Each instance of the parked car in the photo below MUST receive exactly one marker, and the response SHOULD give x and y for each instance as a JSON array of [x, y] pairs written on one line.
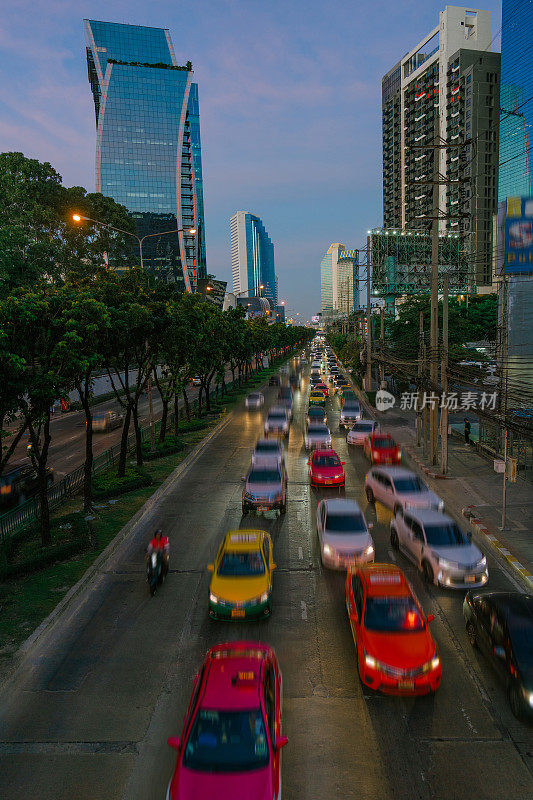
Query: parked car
[[435, 543], [399, 488], [255, 400], [360, 430], [500, 624], [107, 421], [343, 534]]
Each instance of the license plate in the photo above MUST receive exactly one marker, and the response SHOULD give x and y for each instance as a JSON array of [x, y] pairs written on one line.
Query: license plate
[[470, 578], [237, 612], [262, 508], [328, 480], [406, 684]]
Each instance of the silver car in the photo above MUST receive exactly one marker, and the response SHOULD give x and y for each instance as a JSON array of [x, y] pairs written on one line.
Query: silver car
[[317, 435], [343, 534], [254, 401], [361, 429], [350, 413], [268, 451], [399, 488], [265, 489], [439, 548], [277, 422]]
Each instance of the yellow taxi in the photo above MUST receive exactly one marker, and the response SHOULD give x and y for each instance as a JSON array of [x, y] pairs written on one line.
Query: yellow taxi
[[241, 585], [344, 387], [316, 398]]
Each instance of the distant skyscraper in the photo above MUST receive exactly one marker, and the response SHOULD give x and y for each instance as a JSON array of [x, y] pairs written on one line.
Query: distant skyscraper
[[339, 281], [148, 155], [450, 78], [252, 257]]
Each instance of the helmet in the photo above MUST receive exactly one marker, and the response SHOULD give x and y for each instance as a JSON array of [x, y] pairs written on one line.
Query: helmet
[[158, 532]]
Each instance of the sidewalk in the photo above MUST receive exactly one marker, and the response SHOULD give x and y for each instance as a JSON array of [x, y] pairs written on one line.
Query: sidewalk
[[471, 487]]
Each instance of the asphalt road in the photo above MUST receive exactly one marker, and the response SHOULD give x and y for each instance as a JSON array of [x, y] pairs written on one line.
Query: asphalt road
[[89, 714]]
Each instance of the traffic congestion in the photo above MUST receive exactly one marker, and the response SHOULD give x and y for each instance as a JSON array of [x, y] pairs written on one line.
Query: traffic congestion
[[232, 737]]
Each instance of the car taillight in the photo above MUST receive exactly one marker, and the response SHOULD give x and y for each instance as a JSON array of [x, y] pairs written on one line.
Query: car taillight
[[375, 453]]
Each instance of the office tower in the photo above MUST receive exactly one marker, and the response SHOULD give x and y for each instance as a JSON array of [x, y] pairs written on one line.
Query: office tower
[[447, 84], [148, 154], [252, 257], [338, 281]]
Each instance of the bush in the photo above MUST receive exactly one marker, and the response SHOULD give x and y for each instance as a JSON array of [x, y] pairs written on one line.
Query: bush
[[108, 484], [171, 445], [193, 425]]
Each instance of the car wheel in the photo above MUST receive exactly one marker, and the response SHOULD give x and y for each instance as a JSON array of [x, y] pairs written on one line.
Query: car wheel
[[283, 509], [369, 494], [515, 701], [471, 633], [395, 543], [427, 572]]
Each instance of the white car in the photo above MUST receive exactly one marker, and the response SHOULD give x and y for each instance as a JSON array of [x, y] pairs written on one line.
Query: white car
[[361, 429], [399, 488], [317, 435], [440, 549], [268, 451], [277, 421], [343, 534], [350, 413], [254, 401]]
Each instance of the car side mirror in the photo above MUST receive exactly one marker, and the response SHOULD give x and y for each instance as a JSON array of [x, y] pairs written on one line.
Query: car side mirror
[[430, 617], [210, 567], [499, 651], [343, 462], [174, 742], [281, 741]]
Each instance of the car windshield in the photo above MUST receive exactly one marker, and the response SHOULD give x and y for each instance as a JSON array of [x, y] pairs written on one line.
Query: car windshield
[[326, 461], [350, 407], [409, 485], [317, 429], [270, 446], [448, 534], [383, 444], [253, 397], [393, 615], [345, 523], [316, 412], [227, 741], [264, 476], [241, 564], [276, 415], [363, 427]]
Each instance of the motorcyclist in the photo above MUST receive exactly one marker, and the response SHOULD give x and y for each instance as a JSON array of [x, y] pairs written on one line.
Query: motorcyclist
[[160, 543]]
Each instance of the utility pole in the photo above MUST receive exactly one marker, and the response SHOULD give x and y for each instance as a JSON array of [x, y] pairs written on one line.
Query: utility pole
[[421, 420], [504, 497], [444, 379], [382, 347], [368, 379], [434, 318]]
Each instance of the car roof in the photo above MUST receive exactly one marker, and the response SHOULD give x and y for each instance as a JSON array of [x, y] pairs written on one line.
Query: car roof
[[234, 678], [277, 410], [274, 443], [384, 580], [341, 506], [393, 472], [243, 539], [511, 603], [428, 516], [326, 451]]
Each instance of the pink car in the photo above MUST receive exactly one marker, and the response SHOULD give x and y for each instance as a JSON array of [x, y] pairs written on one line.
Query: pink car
[[231, 739]]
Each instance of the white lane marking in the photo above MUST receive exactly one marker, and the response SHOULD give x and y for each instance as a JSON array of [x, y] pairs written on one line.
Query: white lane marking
[[300, 553], [303, 606], [392, 555], [505, 551], [468, 722]]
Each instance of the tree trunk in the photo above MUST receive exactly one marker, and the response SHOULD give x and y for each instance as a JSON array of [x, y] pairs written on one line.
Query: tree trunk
[[88, 466], [207, 398], [138, 440], [46, 537], [124, 443], [176, 413], [164, 418], [199, 409], [187, 407]]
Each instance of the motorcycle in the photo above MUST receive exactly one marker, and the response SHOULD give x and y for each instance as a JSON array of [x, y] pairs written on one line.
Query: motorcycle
[[154, 571]]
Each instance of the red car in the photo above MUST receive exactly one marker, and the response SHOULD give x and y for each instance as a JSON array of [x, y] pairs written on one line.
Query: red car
[[326, 468], [323, 388], [395, 651], [380, 448], [231, 741]]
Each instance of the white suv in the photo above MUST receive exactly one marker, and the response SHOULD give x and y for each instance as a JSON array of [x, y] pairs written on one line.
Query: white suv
[[399, 488], [439, 548]]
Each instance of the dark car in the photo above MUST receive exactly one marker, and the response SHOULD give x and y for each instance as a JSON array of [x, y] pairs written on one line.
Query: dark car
[[501, 625], [274, 380], [19, 482]]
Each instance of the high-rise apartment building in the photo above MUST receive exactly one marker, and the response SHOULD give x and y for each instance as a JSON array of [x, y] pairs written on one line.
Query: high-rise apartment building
[[148, 153], [252, 257], [448, 85], [339, 286]]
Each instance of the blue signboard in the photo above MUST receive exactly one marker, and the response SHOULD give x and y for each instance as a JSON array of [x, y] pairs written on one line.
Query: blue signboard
[[518, 235]]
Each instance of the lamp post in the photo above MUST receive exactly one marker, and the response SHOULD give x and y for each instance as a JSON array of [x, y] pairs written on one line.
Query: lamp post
[[140, 241]]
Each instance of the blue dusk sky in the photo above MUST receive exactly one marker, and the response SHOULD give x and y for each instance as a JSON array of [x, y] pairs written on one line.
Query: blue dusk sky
[[290, 109]]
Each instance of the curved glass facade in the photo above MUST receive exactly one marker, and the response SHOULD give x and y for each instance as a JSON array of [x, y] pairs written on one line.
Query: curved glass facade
[[252, 257], [148, 151]]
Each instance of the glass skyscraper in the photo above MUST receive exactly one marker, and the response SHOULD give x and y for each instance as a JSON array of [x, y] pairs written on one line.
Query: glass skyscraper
[[148, 153], [252, 257], [516, 104]]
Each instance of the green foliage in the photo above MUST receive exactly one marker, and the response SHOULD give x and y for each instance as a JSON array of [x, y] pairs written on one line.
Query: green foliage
[[109, 484]]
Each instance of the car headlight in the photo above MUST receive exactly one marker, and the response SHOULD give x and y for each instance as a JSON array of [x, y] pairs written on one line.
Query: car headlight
[[441, 505], [433, 664], [369, 550], [328, 551], [398, 454], [213, 598], [375, 454], [528, 697], [370, 661], [443, 562], [482, 564], [264, 597]]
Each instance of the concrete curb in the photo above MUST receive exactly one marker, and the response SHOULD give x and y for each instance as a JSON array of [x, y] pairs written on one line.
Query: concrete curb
[[481, 529], [414, 456]]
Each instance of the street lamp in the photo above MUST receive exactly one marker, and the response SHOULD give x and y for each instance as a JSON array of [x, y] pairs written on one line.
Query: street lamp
[[140, 239]]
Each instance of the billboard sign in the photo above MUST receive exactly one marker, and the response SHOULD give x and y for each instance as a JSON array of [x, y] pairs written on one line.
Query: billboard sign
[[518, 235]]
